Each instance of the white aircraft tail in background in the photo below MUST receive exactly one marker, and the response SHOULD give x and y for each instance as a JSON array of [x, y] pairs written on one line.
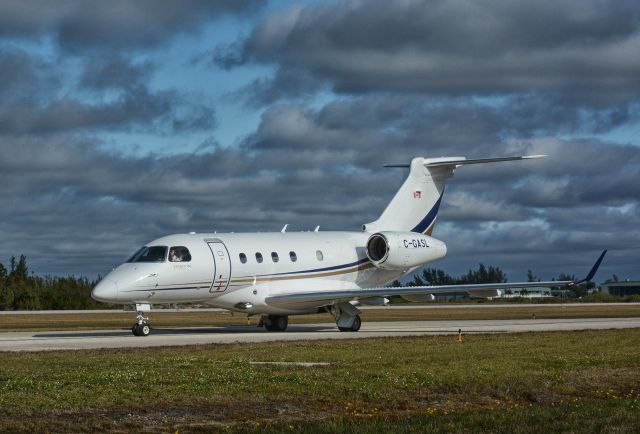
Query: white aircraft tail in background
[[293, 273]]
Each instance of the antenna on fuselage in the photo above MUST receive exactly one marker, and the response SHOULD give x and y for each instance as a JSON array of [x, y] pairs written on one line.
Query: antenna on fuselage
[[284, 229]]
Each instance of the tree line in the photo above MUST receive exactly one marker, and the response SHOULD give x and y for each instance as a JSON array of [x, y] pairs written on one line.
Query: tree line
[[22, 290]]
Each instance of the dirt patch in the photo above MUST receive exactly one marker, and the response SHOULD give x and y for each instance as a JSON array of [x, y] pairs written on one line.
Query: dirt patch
[[169, 417]]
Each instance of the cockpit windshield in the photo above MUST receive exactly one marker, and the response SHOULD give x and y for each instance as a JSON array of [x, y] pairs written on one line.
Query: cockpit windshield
[[150, 254]]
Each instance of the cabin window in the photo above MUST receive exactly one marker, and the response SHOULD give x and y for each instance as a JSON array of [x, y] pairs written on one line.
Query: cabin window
[[243, 258], [274, 257], [179, 254], [293, 256], [319, 255], [259, 257], [150, 254]]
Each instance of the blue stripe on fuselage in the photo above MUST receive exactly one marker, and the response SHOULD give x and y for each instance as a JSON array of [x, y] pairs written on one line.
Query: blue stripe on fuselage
[[335, 267]]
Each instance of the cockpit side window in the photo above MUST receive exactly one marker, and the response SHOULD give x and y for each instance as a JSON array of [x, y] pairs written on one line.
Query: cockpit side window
[[150, 254], [136, 254], [179, 254]]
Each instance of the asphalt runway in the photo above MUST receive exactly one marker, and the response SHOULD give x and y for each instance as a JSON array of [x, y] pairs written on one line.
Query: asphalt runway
[[91, 339]]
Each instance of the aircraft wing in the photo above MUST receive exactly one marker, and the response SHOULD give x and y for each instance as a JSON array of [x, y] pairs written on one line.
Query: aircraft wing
[[478, 290]]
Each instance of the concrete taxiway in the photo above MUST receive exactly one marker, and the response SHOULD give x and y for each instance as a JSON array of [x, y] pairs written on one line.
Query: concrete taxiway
[[91, 339]]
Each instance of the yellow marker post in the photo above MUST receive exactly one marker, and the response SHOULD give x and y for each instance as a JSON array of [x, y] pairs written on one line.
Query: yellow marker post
[[459, 335]]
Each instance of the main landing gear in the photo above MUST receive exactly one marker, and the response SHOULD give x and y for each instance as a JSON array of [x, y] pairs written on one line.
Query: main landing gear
[[347, 317], [355, 325], [141, 328], [274, 323]]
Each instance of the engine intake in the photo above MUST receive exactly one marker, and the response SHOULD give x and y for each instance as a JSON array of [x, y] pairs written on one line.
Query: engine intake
[[403, 250]]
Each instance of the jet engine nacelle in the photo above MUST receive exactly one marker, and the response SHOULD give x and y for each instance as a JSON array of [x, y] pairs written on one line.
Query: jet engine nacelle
[[403, 250]]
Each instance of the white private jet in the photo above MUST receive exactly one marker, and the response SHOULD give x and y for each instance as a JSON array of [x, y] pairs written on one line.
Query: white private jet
[[283, 273]]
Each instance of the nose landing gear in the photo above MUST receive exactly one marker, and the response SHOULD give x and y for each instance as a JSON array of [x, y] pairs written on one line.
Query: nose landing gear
[[141, 328]]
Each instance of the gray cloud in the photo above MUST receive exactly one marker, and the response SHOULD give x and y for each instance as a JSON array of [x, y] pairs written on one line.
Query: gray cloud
[[287, 83], [413, 79], [113, 25], [136, 108], [61, 191], [108, 73], [456, 47], [21, 75], [119, 99]]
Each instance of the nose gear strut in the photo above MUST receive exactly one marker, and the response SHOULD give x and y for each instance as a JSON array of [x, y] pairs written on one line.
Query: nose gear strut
[[141, 328]]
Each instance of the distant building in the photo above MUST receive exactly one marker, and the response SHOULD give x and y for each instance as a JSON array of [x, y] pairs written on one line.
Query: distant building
[[621, 289], [526, 292], [561, 293]]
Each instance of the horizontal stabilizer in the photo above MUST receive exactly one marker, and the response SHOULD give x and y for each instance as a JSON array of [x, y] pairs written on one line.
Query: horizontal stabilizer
[[460, 161], [464, 161]]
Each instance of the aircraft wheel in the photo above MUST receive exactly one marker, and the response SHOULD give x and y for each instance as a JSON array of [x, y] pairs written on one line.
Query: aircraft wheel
[[281, 323], [144, 330], [134, 329], [356, 324], [277, 323], [354, 327]]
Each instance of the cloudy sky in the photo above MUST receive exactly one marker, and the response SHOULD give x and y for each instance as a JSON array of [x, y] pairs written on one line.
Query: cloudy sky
[[121, 122]]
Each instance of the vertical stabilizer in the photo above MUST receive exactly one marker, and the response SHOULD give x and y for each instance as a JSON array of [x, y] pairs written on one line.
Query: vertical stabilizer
[[415, 206]]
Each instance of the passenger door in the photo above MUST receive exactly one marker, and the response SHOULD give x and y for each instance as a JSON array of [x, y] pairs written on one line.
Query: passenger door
[[222, 266]]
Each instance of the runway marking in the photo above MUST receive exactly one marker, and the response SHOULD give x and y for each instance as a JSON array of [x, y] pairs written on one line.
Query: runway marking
[[305, 364]]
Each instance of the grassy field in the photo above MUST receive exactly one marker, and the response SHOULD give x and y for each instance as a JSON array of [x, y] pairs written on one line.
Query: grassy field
[[551, 382], [62, 321]]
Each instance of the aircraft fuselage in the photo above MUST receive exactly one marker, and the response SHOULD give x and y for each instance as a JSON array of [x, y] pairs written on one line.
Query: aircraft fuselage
[[237, 271]]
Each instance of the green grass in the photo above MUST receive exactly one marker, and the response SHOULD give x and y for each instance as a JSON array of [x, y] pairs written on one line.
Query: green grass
[[619, 417], [576, 381]]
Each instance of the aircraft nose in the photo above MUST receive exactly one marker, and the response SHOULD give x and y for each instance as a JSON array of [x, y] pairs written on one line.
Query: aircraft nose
[[106, 291]]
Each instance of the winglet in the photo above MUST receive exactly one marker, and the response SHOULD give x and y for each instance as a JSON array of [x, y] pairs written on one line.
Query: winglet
[[593, 271]]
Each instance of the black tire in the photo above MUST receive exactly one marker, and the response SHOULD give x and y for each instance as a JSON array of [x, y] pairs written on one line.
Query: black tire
[[144, 330], [276, 323], [134, 329], [356, 324], [281, 323]]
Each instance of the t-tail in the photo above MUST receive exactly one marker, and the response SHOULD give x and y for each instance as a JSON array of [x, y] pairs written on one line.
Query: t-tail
[[415, 206]]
